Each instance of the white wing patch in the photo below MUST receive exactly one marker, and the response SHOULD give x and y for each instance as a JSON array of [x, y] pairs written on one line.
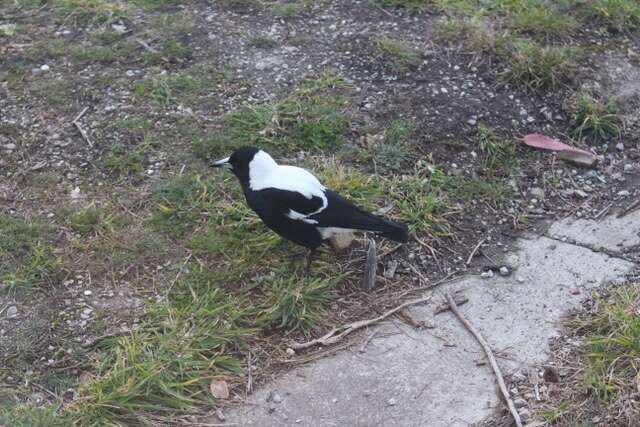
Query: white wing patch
[[301, 217], [264, 173]]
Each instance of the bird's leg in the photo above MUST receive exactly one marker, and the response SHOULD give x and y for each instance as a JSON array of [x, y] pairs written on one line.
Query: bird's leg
[[312, 253]]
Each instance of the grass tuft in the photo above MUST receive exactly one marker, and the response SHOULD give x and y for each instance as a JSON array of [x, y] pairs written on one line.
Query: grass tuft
[[498, 156], [410, 5], [613, 345], [542, 21], [310, 118], [536, 66], [90, 11], [619, 15], [595, 119], [26, 255], [397, 53]]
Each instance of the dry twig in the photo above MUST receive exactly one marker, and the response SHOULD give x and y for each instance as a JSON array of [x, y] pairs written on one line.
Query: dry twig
[[367, 341], [489, 353], [633, 206], [84, 133], [473, 252], [336, 334]]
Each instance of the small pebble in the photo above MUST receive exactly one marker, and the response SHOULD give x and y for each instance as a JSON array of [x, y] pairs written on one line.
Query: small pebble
[[44, 67], [277, 398], [392, 402], [12, 312], [623, 193], [87, 293], [504, 271], [290, 352], [487, 274]]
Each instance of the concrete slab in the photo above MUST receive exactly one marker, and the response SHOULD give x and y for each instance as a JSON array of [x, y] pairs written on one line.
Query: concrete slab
[[430, 377], [613, 234]]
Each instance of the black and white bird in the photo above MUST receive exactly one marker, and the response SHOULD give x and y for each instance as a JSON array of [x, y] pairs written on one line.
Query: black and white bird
[[292, 202]]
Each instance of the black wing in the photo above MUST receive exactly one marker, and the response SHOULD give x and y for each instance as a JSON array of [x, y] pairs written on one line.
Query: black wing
[[284, 202]]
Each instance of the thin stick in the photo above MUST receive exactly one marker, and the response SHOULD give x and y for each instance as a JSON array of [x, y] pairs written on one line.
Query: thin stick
[[84, 134], [473, 252], [629, 209], [603, 211], [367, 340], [489, 353], [336, 334]]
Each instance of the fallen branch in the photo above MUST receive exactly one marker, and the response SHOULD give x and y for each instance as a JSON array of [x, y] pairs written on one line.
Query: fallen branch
[[336, 334], [489, 353], [473, 252], [84, 134]]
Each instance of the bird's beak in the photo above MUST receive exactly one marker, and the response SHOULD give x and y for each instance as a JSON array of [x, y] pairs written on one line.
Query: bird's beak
[[222, 163]]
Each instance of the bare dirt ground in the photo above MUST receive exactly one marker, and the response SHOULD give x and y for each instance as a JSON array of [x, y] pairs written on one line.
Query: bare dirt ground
[[113, 227]]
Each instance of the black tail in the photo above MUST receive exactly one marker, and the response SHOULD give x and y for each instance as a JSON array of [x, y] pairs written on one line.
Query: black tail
[[365, 221]]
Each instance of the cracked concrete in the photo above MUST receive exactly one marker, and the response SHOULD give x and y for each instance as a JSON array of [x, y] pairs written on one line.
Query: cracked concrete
[[613, 234], [431, 377]]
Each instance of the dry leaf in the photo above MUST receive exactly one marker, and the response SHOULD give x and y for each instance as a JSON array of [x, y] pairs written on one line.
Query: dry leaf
[[565, 152], [219, 389]]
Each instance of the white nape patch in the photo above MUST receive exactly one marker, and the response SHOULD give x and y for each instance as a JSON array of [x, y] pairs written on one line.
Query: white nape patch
[[264, 173], [328, 232]]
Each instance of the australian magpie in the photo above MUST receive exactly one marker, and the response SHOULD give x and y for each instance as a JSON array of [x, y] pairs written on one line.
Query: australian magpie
[[293, 203]]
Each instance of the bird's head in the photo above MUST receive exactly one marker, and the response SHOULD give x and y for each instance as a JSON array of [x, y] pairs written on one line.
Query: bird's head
[[247, 163]]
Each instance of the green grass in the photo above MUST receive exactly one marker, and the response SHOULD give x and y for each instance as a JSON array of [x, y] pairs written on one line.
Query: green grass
[[397, 53], [26, 254], [542, 21], [292, 304], [92, 220], [310, 118], [182, 204], [593, 118], [168, 89], [410, 5], [399, 131], [497, 155], [603, 364], [477, 33], [540, 67], [107, 38], [94, 54], [156, 5], [166, 366], [125, 161], [291, 9], [612, 347], [620, 15], [391, 155], [84, 12], [31, 415], [262, 42]]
